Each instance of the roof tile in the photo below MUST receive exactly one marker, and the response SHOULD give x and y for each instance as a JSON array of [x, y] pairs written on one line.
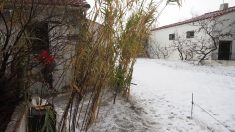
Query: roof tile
[[56, 2]]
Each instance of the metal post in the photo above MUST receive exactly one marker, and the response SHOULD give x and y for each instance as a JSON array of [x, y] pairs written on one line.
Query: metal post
[[192, 107]]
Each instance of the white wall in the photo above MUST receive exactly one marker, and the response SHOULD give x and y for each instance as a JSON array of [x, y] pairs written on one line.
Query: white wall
[[161, 36]]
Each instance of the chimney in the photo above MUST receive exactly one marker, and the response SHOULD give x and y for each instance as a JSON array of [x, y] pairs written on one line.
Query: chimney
[[223, 6]]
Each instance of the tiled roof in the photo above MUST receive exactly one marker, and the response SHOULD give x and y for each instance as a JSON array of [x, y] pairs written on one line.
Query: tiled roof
[[77, 3], [213, 14]]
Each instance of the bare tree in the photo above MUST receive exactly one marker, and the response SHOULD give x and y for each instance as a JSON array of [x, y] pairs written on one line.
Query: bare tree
[[184, 47], [26, 29], [205, 42], [159, 51], [214, 30]]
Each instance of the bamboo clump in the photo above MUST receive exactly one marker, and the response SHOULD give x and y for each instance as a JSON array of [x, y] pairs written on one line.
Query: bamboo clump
[[104, 58]]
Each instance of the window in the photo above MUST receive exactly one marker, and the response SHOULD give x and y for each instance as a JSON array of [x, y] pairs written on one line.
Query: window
[[72, 37], [190, 34], [171, 36], [39, 37]]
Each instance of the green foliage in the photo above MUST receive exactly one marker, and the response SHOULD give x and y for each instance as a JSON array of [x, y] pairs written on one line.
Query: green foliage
[[130, 44], [50, 120], [119, 79]]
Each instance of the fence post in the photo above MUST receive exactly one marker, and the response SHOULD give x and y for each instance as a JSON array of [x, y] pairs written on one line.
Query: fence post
[[192, 107]]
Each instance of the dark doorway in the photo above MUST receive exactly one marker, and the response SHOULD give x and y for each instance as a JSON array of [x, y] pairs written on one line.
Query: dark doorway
[[224, 50], [39, 37]]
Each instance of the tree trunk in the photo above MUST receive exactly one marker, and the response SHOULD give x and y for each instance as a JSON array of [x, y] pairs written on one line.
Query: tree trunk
[[9, 97]]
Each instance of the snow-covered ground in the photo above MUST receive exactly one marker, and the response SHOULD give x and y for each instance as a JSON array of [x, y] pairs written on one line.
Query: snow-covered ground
[[161, 100], [165, 90]]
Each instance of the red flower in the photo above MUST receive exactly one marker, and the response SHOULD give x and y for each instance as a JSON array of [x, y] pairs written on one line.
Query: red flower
[[45, 57], [49, 59]]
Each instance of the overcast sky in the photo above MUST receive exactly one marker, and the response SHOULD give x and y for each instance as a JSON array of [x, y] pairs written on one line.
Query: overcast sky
[[173, 13], [189, 8]]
